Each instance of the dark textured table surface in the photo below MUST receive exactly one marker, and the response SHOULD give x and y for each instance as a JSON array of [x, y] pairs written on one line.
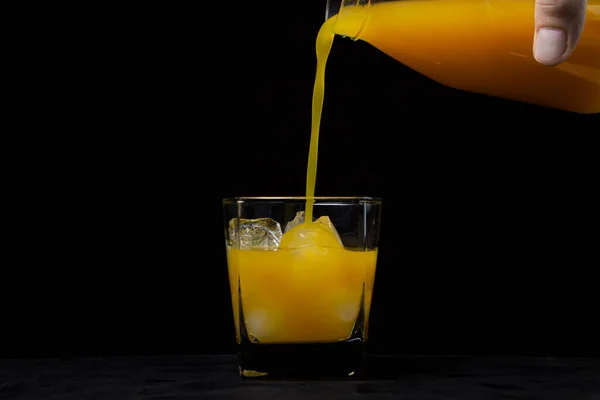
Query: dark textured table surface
[[216, 377]]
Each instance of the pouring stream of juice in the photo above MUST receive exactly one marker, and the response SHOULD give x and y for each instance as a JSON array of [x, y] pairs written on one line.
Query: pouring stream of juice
[[324, 43]]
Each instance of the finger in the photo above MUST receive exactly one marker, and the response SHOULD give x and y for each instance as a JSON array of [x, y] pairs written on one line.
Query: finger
[[558, 26]]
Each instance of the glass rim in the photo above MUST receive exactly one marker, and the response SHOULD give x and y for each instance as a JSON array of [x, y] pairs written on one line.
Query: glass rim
[[317, 199]]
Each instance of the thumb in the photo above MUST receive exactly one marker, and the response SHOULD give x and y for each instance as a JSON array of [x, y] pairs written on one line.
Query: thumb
[[558, 26]]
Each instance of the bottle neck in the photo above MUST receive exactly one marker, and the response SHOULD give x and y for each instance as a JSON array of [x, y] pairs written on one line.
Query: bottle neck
[[351, 16], [332, 8]]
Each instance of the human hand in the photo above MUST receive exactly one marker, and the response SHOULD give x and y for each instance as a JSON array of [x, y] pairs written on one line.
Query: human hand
[[558, 27]]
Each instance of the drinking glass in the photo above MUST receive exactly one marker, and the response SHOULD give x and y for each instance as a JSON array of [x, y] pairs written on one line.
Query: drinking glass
[[301, 292]]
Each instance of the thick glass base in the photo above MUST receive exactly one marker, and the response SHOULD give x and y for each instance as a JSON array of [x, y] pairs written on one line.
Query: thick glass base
[[339, 360]]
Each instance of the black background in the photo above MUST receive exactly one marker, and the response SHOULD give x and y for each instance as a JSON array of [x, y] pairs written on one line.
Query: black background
[[488, 242]]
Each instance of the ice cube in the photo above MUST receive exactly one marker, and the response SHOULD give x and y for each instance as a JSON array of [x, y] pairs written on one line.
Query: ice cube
[[260, 324], [299, 219], [347, 312], [260, 233], [326, 221]]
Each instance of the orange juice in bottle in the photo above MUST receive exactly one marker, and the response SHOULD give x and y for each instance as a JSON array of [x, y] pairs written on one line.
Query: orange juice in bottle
[[481, 46]]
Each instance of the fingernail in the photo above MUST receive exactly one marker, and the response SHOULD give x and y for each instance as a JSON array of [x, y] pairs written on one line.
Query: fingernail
[[550, 44]]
